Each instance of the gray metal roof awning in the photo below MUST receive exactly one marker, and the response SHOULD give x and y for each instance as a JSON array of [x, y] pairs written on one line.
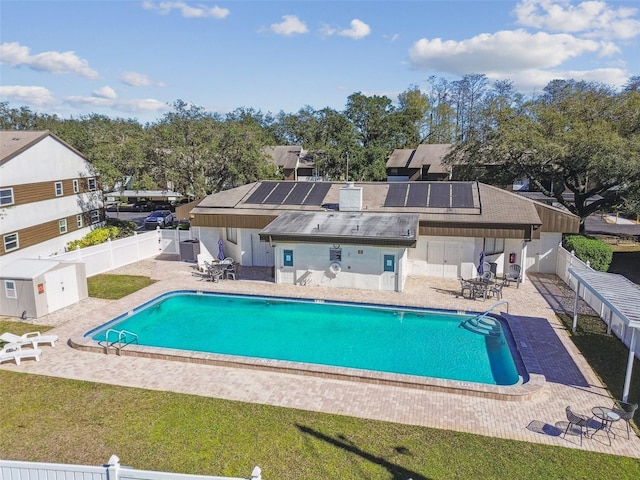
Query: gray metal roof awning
[[621, 296], [344, 227]]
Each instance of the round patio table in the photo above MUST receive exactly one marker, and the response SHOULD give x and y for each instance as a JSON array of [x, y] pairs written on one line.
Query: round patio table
[[606, 416]]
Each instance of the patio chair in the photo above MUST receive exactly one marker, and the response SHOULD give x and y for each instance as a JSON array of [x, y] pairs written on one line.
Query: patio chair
[[513, 275], [466, 285], [496, 290], [14, 351], [230, 271], [215, 273], [575, 419], [32, 338], [626, 412]]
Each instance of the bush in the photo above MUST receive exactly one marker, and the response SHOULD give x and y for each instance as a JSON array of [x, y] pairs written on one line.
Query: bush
[[588, 249], [95, 237], [126, 227]]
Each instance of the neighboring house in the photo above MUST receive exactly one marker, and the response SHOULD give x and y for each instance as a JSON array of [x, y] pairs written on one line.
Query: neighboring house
[[294, 162], [48, 195], [373, 235], [422, 163]]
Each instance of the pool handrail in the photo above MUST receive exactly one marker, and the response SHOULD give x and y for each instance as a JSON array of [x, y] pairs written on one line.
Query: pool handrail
[[122, 335]]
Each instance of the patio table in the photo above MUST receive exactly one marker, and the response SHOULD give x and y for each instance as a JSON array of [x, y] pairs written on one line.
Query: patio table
[[606, 417]]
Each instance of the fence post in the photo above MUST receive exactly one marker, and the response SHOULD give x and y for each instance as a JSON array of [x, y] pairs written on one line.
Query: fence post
[[110, 247], [113, 468], [135, 238], [256, 474], [79, 250]]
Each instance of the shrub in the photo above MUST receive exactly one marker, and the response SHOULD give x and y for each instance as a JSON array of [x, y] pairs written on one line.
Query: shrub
[[95, 237], [126, 227], [588, 249]]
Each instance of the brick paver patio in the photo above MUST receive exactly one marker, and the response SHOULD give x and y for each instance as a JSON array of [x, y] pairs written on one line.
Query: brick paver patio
[[570, 380]]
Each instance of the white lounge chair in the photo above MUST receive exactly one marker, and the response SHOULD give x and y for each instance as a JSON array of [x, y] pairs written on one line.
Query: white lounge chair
[[14, 351], [33, 338]]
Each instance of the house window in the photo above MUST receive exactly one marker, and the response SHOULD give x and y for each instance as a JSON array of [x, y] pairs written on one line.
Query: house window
[[91, 183], [232, 235], [62, 226], [493, 246], [76, 186], [335, 254], [10, 290], [59, 191], [11, 242], [79, 221], [94, 217], [6, 196], [288, 258]]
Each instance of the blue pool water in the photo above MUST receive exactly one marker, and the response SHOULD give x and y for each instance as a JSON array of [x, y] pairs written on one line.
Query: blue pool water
[[407, 341]]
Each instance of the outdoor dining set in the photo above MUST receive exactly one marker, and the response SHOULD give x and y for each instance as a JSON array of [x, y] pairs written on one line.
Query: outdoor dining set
[[217, 270], [602, 419], [487, 285]]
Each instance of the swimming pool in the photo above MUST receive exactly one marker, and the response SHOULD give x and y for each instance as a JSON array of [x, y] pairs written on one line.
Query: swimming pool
[[407, 341]]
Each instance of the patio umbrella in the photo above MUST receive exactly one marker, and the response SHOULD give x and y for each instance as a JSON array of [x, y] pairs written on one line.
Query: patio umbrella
[[481, 264], [220, 250]]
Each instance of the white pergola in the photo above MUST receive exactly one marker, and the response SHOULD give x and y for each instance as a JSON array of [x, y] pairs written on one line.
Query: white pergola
[[622, 297]]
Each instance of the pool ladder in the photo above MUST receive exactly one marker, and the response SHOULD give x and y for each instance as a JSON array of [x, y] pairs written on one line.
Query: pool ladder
[[485, 325], [125, 338]]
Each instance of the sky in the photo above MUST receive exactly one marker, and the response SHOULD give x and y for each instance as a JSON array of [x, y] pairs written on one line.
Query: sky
[[134, 59]]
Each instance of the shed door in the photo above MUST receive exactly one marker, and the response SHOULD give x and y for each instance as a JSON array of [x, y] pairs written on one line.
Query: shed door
[[389, 273], [61, 287]]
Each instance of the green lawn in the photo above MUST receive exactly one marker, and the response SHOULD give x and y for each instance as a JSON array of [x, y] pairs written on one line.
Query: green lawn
[[113, 287], [59, 420]]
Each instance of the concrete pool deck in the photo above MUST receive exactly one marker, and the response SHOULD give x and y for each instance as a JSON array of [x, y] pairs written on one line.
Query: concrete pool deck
[[569, 379]]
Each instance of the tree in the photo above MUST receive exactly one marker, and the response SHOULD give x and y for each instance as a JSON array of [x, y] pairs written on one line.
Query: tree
[[572, 140]]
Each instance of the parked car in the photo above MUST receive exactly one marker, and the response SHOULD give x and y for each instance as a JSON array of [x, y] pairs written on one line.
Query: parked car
[[159, 218]]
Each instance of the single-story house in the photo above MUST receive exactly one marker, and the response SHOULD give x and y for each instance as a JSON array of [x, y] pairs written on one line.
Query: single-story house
[[374, 235]]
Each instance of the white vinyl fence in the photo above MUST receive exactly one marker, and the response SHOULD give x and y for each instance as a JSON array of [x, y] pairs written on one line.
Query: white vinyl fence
[[124, 251], [15, 470], [613, 321]]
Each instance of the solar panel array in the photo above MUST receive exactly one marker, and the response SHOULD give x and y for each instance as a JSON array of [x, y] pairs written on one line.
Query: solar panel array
[[430, 195], [289, 193]]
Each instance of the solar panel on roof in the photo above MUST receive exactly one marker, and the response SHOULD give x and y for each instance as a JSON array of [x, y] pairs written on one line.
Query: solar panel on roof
[[439, 195], [298, 194], [462, 195], [396, 195], [279, 193], [417, 195], [317, 193], [261, 192]]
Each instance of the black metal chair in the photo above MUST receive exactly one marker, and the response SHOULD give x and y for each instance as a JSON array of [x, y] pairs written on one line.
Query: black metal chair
[[580, 421], [626, 412]]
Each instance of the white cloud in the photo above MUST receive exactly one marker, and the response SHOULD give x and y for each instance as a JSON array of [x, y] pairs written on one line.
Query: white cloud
[[37, 96], [17, 55], [105, 92], [187, 11], [595, 19], [125, 105], [537, 79], [135, 79], [290, 25], [504, 51], [392, 38], [358, 30]]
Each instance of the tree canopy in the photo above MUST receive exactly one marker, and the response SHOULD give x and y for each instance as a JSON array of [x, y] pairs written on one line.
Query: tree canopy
[[577, 142]]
